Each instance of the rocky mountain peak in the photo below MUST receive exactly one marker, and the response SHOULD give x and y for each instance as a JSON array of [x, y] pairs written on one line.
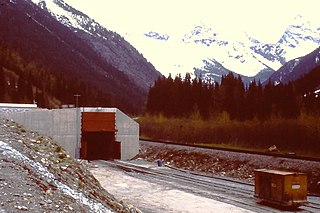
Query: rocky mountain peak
[[299, 38], [301, 30], [202, 34], [157, 35]]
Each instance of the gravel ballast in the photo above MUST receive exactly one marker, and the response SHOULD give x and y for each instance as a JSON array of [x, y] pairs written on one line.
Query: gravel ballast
[[224, 163]]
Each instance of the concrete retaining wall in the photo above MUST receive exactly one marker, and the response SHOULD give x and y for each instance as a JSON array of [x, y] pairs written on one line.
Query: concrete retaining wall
[[128, 134], [63, 125]]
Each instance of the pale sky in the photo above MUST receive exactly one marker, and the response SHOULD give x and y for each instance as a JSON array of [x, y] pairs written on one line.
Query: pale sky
[[265, 19]]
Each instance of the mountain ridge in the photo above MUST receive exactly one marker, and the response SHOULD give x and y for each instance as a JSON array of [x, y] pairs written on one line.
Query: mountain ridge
[[296, 68], [46, 47], [111, 46], [194, 47]]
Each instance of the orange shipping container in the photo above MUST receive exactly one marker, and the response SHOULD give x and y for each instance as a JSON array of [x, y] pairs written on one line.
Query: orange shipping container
[[281, 187]]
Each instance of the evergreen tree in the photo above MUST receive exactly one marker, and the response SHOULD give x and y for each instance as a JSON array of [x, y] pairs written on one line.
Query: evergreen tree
[[239, 102], [288, 105], [216, 106], [187, 101], [267, 102], [24, 90], [228, 95], [2, 85], [252, 100], [40, 99]]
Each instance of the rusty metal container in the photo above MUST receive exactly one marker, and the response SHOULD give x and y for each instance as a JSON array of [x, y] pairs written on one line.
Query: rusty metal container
[[281, 187]]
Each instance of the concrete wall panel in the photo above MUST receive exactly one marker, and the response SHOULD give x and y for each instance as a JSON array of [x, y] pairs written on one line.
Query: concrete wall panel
[[60, 124], [128, 134]]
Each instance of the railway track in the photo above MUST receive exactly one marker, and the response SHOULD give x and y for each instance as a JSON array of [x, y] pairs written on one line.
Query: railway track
[[273, 154], [226, 190]]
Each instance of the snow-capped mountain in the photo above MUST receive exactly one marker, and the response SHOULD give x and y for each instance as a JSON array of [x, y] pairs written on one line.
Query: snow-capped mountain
[[256, 59], [201, 49], [233, 55], [111, 46], [214, 53]]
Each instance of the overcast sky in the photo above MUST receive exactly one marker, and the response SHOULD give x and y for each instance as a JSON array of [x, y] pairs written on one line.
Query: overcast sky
[[265, 19]]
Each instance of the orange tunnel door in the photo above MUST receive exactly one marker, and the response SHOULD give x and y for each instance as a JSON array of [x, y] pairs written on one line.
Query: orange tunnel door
[[98, 136]]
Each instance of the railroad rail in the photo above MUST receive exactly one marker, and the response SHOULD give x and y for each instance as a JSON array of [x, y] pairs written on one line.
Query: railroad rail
[[266, 153], [223, 189]]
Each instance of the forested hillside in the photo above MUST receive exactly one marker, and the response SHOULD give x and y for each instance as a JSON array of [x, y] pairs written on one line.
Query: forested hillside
[[52, 61], [23, 81]]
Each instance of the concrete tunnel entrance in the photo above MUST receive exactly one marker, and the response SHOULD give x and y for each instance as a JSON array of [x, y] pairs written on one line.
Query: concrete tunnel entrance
[[87, 133], [98, 136]]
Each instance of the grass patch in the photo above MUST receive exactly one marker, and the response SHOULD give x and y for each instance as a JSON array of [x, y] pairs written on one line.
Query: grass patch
[[301, 135]]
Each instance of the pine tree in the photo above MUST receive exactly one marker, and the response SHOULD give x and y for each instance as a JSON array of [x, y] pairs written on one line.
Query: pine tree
[[2, 85], [238, 111], [267, 102], [288, 105], [216, 106]]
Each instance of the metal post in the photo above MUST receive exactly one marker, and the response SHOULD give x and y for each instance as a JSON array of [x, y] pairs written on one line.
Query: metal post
[[77, 99], [78, 125]]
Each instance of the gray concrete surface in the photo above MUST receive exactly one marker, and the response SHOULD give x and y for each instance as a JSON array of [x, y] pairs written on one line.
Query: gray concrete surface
[[60, 124]]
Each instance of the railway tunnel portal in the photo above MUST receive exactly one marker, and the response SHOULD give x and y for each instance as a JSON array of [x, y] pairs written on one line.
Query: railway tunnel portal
[[86, 133]]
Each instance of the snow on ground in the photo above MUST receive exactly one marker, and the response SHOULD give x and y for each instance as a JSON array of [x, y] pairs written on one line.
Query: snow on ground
[[153, 196]]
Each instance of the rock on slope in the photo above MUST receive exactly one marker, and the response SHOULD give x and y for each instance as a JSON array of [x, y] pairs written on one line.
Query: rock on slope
[[37, 175]]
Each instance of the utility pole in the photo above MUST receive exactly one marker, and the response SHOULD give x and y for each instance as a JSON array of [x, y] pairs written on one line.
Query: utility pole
[[78, 125], [77, 99]]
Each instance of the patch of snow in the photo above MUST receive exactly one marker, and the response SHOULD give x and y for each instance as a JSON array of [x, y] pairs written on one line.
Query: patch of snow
[[58, 13], [276, 83], [296, 62], [5, 149]]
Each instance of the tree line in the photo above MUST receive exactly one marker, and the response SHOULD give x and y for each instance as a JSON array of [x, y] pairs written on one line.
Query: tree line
[[183, 97]]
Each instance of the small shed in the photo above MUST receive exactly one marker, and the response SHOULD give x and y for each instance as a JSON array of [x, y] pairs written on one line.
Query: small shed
[[281, 187]]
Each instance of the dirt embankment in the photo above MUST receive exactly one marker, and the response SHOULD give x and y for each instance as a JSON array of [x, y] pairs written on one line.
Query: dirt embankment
[[37, 175], [230, 164]]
